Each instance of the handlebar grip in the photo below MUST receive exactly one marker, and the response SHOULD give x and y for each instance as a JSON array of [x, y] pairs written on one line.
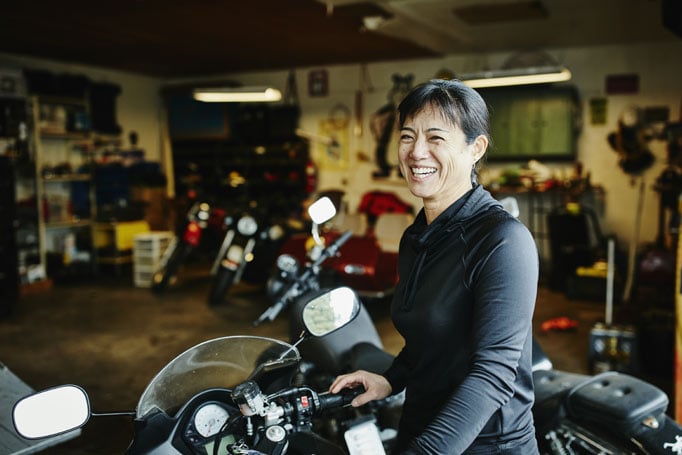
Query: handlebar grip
[[330, 400]]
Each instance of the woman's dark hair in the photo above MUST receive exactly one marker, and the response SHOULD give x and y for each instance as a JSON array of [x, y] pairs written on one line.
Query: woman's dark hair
[[459, 103]]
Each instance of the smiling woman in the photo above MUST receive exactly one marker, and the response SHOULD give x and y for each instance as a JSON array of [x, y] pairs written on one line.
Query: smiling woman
[[440, 146], [468, 279]]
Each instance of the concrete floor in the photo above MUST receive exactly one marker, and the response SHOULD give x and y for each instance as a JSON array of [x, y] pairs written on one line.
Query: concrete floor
[[111, 338]]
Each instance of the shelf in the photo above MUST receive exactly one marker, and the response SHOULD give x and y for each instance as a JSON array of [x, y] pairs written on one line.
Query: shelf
[[67, 224], [63, 135], [63, 100], [63, 146], [115, 260], [68, 178]]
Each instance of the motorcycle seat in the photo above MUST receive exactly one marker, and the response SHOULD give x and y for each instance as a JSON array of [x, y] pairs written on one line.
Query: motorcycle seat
[[616, 401], [555, 384], [369, 357]]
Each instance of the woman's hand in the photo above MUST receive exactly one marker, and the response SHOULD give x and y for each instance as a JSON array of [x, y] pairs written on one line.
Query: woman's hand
[[376, 386]]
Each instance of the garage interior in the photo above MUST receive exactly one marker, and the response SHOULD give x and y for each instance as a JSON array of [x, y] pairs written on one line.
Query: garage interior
[[74, 306]]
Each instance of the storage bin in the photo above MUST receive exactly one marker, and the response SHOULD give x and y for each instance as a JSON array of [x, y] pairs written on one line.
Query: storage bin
[[148, 250]]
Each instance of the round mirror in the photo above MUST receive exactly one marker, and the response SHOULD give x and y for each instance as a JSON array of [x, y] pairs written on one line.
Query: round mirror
[[51, 412], [322, 210], [330, 311]]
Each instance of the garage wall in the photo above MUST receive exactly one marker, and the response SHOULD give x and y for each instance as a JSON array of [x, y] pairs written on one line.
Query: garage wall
[[138, 107], [658, 66]]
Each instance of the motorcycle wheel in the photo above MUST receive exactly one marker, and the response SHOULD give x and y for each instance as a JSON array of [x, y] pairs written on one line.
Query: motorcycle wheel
[[162, 277], [221, 284]]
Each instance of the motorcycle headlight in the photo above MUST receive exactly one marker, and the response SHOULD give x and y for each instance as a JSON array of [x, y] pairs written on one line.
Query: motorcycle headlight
[[235, 254], [204, 212], [287, 263], [275, 232], [247, 225]]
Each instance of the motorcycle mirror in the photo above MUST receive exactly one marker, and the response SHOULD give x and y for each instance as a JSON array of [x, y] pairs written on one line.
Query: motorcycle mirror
[[322, 210], [51, 412], [330, 311]]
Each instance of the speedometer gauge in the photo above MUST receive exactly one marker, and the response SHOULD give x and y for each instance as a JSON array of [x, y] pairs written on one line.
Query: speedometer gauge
[[209, 419]]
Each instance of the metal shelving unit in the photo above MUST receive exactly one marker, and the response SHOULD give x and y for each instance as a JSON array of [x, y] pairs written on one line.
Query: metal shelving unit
[[65, 188]]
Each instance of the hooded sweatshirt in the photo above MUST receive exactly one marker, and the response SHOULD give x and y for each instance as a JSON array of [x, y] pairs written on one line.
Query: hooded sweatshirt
[[464, 305]]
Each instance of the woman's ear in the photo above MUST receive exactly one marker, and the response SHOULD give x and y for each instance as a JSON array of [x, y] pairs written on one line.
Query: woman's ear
[[480, 145]]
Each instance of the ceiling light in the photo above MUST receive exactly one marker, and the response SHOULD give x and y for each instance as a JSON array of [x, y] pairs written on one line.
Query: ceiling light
[[237, 94], [516, 76]]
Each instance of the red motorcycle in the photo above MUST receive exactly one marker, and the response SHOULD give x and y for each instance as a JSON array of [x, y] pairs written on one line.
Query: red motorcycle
[[200, 218]]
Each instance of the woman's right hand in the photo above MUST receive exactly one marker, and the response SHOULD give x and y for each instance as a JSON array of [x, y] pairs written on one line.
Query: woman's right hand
[[376, 386]]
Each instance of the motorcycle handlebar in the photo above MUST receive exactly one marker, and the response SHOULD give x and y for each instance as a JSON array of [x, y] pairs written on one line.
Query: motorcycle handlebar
[[271, 313], [273, 310], [330, 400], [332, 249]]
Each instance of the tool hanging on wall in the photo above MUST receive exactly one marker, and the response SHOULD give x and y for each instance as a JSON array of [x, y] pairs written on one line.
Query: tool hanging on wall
[[365, 85], [383, 125]]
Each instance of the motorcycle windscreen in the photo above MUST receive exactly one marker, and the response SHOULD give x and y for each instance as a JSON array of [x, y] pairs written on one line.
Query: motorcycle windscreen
[[217, 363]]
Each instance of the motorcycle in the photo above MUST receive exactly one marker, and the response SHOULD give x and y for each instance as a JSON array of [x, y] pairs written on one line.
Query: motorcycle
[[230, 395], [609, 413], [292, 279], [355, 346], [247, 236], [251, 239], [202, 216]]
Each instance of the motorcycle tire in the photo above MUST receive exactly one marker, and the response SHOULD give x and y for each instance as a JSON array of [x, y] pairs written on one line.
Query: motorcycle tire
[[221, 284], [163, 276]]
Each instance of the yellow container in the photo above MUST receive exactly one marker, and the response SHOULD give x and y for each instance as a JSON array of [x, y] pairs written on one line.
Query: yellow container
[[119, 236]]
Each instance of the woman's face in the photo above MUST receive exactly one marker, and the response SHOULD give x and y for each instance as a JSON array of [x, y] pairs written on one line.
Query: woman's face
[[435, 159]]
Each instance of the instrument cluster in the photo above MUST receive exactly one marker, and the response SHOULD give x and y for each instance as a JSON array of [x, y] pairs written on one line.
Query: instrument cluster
[[206, 422]]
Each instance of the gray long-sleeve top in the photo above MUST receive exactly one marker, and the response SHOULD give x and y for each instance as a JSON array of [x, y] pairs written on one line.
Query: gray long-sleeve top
[[464, 305]]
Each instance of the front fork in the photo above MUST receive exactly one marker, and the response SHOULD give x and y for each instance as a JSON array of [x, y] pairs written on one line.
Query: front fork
[[223, 257], [222, 253], [248, 249]]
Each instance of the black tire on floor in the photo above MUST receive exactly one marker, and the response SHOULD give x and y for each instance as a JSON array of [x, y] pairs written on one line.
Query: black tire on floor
[[221, 284], [163, 276]]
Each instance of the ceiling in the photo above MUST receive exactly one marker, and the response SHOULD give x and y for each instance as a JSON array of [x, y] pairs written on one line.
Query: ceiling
[[180, 38]]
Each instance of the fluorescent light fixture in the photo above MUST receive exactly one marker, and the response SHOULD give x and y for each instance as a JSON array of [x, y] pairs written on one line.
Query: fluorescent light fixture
[[516, 76], [237, 94]]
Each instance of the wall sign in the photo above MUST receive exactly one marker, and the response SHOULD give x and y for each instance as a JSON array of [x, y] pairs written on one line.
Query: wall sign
[[598, 111], [618, 84]]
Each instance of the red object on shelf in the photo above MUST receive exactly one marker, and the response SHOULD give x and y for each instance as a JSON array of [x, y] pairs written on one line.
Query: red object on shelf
[[561, 323]]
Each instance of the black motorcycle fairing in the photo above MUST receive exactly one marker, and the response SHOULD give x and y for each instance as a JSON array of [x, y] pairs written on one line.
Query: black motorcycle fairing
[[307, 442], [202, 375], [216, 363], [332, 352], [369, 357], [160, 432]]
